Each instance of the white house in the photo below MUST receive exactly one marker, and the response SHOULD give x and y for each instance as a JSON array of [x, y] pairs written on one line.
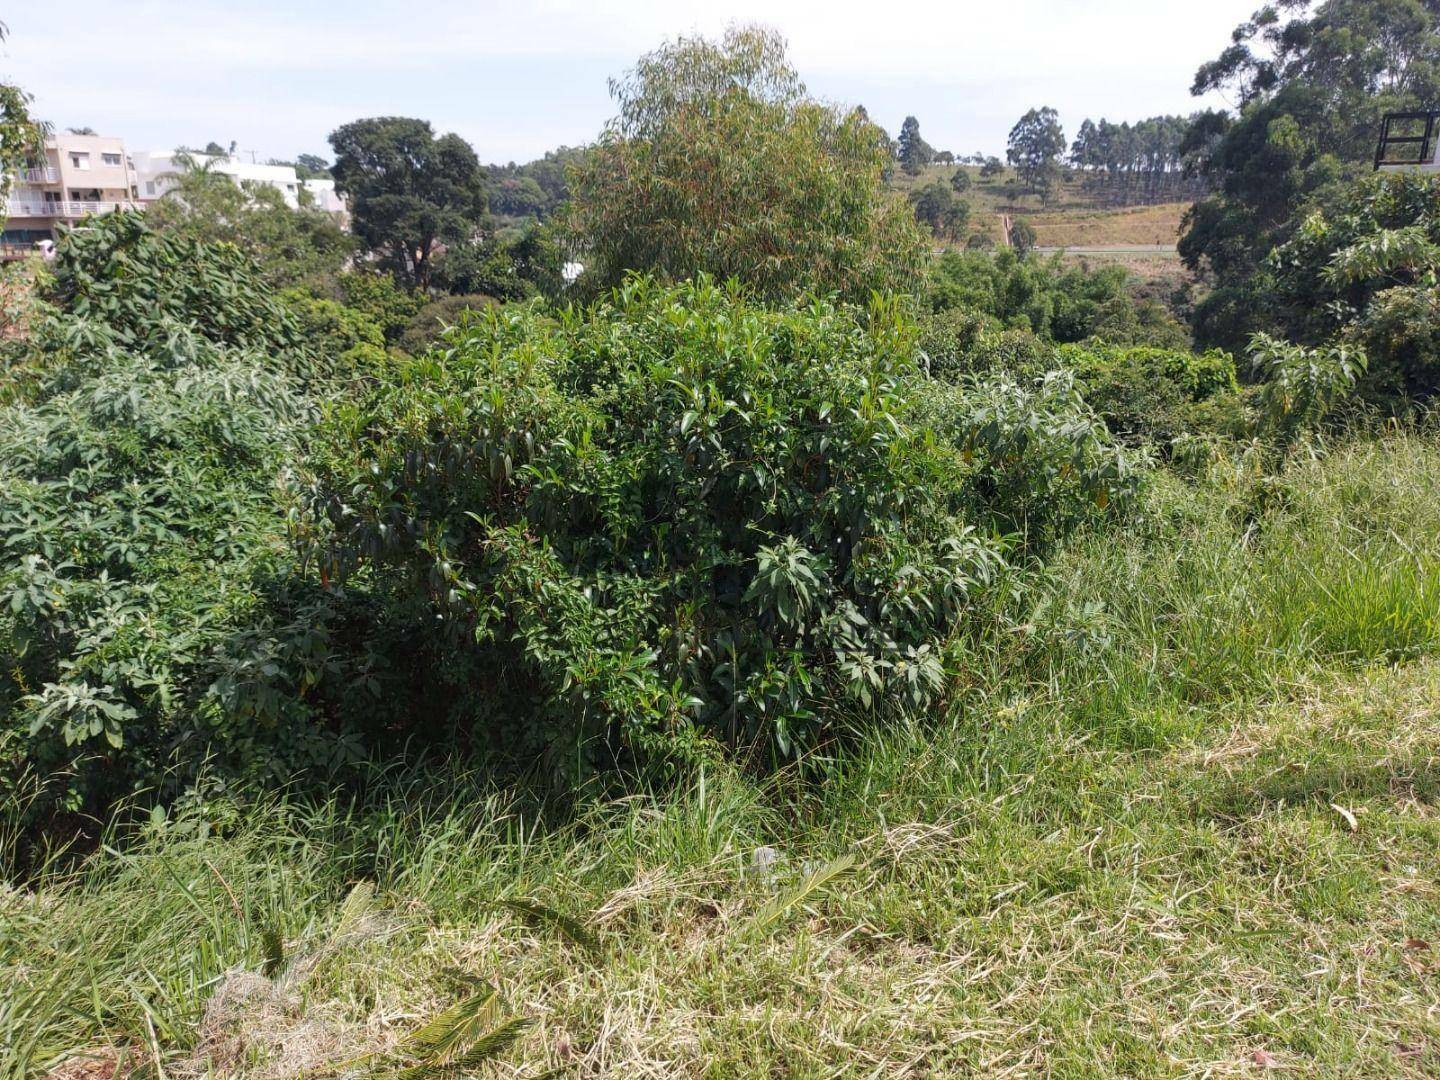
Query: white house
[[156, 172]]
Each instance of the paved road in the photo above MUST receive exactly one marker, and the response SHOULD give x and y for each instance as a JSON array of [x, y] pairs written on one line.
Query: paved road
[[1117, 249]]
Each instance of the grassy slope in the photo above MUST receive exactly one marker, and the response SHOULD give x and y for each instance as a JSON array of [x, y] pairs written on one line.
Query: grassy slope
[[1076, 217], [1184, 815]]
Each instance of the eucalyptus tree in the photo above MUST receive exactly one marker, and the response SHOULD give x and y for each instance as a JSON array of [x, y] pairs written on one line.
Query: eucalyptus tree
[[1035, 145], [718, 161]]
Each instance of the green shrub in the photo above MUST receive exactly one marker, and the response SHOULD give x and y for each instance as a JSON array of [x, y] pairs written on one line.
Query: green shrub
[[679, 514], [1363, 272], [148, 618], [515, 267], [949, 340], [425, 326], [1152, 395], [1055, 301], [330, 327], [389, 304]]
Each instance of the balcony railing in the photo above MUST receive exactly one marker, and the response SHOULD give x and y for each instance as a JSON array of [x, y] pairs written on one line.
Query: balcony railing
[[9, 252], [70, 208], [45, 175]]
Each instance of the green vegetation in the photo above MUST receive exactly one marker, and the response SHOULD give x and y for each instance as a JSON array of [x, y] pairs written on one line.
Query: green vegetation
[[293, 247], [720, 163], [1055, 301], [1312, 88], [775, 653], [142, 552], [1178, 819], [409, 190], [692, 531]]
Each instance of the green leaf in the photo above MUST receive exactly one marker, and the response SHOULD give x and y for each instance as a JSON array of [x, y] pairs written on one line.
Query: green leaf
[[541, 915], [775, 910]]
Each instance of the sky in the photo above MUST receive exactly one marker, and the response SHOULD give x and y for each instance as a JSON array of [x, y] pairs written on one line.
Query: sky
[[517, 79]]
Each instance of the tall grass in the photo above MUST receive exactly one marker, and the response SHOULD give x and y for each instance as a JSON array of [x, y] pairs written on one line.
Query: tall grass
[[1117, 853]]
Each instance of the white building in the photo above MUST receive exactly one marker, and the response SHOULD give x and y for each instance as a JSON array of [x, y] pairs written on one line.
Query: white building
[[157, 171], [71, 178]]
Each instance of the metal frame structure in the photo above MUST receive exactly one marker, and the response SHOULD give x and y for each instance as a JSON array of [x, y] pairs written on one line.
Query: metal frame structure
[[1425, 142]]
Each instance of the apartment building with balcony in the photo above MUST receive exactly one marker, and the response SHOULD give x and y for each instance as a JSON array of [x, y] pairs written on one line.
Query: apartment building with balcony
[[73, 177]]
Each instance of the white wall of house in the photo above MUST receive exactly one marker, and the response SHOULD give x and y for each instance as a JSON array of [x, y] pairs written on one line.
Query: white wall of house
[[156, 172]]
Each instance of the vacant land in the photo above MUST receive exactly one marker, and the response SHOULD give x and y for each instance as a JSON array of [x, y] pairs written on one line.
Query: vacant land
[[1127, 227], [1079, 215], [1180, 819]]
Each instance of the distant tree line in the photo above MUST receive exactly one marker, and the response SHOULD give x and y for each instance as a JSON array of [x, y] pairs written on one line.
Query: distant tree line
[[533, 190], [1139, 162]]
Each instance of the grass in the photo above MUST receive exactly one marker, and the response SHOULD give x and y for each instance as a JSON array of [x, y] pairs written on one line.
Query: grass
[[1076, 216], [1180, 819]]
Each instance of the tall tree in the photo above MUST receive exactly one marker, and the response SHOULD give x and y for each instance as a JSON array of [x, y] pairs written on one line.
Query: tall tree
[[1034, 148], [312, 166], [1311, 81], [409, 190], [912, 151], [936, 205], [718, 161]]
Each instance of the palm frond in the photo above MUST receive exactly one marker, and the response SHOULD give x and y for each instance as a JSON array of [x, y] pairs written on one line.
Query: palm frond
[[486, 1048], [541, 915], [775, 910], [353, 908], [453, 1031]]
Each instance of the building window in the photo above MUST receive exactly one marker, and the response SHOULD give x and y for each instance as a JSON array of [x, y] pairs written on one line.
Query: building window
[[149, 187], [79, 160], [110, 159]]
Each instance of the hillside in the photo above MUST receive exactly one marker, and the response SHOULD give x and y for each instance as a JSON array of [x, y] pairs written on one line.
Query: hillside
[[1079, 216]]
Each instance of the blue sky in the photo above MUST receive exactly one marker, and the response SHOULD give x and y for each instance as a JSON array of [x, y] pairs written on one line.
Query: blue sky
[[516, 79]]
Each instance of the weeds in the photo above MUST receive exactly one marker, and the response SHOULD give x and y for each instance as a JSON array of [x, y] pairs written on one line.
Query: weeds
[[1179, 820]]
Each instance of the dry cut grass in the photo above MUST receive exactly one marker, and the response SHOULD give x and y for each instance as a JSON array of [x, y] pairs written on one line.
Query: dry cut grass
[[1201, 839]]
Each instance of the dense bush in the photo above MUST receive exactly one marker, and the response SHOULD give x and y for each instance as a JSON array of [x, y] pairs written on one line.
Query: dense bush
[[517, 267], [1056, 302], [1364, 271], [1150, 395], [147, 619], [677, 513], [424, 327], [387, 303], [1145, 394]]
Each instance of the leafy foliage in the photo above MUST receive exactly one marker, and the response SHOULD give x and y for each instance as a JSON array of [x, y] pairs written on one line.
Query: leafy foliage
[[676, 513], [719, 163], [423, 330], [1364, 272], [1312, 81], [1148, 395], [1035, 147], [378, 296], [1057, 302], [515, 268], [293, 246], [1300, 385], [936, 205], [144, 616], [409, 189]]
